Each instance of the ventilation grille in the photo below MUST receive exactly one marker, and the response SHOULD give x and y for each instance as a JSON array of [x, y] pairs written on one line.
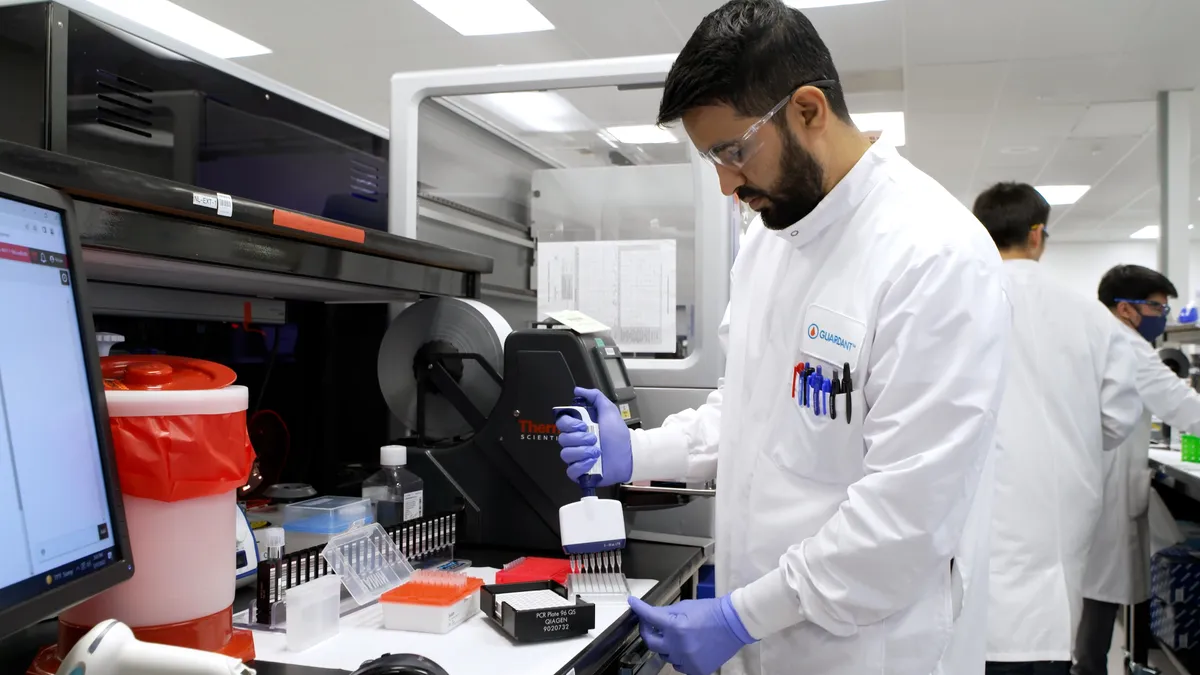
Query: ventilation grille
[[123, 104], [364, 181]]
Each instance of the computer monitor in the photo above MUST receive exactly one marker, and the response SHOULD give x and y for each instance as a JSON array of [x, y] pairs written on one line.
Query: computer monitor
[[62, 526]]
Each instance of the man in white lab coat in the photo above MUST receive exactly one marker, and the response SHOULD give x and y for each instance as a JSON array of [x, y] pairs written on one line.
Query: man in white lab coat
[[1119, 561], [851, 436], [1070, 397]]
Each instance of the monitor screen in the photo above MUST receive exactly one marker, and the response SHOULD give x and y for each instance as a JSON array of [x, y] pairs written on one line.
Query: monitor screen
[[616, 373], [57, 524]]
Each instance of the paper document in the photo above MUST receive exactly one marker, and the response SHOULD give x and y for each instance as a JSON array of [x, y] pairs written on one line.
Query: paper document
[[628, 285], [578, 321]]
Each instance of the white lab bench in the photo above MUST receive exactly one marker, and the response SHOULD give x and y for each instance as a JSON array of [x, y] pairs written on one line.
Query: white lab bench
[[1173, 472], [476, 646]]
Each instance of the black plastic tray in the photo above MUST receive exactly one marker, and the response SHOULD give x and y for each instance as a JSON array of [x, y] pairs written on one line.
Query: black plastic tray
[[538, 625]]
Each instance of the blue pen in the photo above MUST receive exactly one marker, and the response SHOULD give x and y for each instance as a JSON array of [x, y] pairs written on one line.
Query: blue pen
[[826, 388], [817, 390]]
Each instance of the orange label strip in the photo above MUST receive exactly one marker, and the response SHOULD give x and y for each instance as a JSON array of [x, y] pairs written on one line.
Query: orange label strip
[[299, 221]]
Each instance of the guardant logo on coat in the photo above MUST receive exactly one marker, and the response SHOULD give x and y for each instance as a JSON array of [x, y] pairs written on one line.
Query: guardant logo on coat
[[815, 333]]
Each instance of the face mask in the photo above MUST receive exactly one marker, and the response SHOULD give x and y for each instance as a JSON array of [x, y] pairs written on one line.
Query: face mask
[[1151, 327]]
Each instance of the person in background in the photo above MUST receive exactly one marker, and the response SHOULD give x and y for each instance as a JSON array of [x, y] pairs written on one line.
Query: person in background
[[852, 434], [1118, 564], [1069, 398]]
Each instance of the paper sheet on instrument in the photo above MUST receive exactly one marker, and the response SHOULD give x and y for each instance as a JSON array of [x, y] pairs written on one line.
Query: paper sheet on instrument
[[629, 285], [477, 646]]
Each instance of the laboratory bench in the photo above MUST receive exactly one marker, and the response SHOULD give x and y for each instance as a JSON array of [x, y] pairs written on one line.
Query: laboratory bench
[[1178, 483], [661, 568]]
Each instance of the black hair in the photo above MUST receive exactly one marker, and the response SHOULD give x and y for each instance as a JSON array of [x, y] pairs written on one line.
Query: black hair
[[1133, 282], [1009, 211], [749, 55]]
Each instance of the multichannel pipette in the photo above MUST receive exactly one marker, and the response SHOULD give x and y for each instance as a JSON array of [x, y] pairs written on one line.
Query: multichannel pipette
[[592, 529]]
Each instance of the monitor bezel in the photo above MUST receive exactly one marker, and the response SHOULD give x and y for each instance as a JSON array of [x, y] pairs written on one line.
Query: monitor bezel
[[52, 602]]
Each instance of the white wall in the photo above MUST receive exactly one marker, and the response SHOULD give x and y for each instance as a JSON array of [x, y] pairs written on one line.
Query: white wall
[[1080, 265]]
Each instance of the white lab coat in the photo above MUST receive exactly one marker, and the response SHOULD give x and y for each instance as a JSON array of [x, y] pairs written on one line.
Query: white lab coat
[[1119, 561], [835, 538], [1070, 396]]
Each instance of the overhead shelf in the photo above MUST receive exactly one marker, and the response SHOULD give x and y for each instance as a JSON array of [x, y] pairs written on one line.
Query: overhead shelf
[[142, 230], [1183, 334]]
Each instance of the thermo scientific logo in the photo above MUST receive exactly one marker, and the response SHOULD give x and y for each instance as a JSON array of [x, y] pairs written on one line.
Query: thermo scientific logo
[[815, 333], [533, 431]]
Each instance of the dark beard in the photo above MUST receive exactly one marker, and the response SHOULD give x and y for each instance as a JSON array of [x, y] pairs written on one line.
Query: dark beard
[[798, 190]]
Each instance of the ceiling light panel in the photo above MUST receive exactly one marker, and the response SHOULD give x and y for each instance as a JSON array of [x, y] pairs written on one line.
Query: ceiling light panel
[[187, 27], [487, 17], [890, 125], [1062, 195], [1147, 232], [642, 134], [536, 111]]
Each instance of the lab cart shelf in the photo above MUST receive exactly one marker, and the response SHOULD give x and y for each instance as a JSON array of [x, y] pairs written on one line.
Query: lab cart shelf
[[142, 230]]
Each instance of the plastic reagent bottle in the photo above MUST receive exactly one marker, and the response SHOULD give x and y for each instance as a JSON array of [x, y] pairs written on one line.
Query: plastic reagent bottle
[[397, 494]]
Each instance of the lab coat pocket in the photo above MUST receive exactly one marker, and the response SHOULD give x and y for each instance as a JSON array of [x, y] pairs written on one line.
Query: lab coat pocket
[[820, 447]]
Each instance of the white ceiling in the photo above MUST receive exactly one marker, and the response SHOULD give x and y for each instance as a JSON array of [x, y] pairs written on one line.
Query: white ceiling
[[1042, 91]]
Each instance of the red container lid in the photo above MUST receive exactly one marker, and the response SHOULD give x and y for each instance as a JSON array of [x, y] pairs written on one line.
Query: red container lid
[[163, 373]]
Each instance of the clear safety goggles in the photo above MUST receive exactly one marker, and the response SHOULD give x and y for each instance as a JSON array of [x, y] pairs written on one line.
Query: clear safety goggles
[[1152, 305], [735, 154]]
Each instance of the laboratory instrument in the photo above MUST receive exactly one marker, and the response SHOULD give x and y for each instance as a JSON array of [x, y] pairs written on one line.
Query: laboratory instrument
[[110, 648], [431, 602], [396, 494], [593, 529], [246, 551], [479, 399]]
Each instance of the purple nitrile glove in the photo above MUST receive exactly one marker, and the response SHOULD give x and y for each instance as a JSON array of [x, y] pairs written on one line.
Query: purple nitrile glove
[[580, 449], [695, 636]]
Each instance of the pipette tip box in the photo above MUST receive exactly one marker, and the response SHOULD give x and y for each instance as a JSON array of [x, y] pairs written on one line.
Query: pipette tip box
[[425, 607], [537, 611]]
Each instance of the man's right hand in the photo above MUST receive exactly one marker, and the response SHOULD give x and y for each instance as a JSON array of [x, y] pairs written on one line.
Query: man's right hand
[[580, 449]]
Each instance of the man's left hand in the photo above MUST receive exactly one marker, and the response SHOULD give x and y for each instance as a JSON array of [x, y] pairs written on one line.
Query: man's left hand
[[695, 636]]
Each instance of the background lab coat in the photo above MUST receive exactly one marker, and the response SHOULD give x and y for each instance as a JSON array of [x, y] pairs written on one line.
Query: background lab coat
[[1118, 565], [1070, 396], [838, 536]]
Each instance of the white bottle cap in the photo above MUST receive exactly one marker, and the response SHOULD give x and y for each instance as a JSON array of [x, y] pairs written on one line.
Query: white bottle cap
[[393, 455]]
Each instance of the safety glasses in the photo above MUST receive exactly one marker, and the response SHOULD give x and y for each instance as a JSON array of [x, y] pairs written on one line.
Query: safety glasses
[[735, 154], [1163, 310]]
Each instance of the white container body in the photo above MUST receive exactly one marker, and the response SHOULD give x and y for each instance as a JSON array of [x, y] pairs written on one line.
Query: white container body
[[429, 619], [184, 564], [313, 612]]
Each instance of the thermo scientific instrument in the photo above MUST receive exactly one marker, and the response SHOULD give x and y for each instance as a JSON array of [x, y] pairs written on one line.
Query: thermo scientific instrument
[[478, 401]]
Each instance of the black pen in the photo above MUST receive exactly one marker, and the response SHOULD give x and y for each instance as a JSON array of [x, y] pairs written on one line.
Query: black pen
[[848, 387], [834, 390]]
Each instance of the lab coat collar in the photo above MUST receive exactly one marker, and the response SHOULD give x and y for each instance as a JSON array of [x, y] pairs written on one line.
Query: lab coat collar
[[1024, 264], [843, 198]]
